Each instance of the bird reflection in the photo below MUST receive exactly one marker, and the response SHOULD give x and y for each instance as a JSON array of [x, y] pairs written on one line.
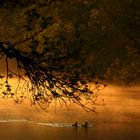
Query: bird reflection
[[85, 126]]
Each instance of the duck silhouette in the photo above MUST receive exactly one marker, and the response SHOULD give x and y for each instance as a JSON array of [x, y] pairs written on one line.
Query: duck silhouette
[[85, 125], [75, 124]]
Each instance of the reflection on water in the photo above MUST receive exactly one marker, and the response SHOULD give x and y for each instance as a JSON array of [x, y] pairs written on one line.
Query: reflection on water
[[119, 119], [102, 131]]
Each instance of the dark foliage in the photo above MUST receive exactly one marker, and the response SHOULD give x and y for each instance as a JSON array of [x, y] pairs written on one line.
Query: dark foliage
[[69, 44]]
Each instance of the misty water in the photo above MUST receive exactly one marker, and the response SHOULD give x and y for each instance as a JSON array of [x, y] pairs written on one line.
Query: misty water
[[119, 119]]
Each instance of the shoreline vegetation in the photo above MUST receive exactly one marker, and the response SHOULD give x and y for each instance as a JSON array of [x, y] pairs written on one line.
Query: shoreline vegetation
[[60, 54]]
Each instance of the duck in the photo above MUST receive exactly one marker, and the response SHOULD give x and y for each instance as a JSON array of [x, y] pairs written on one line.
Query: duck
[[85, 125], [75, 124]]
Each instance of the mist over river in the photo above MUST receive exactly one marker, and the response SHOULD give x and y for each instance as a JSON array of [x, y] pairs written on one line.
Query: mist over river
[[119, 119]]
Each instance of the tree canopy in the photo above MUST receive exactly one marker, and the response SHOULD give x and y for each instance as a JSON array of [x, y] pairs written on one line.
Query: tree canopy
[[60, 46]]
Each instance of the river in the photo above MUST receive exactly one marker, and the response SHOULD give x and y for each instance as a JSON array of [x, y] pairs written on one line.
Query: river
[[118, 119]]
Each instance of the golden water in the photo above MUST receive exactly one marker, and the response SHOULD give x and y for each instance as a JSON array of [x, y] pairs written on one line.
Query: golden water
[[119, 119]]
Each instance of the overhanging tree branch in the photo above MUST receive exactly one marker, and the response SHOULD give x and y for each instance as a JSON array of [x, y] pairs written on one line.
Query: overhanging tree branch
[[45, 85]]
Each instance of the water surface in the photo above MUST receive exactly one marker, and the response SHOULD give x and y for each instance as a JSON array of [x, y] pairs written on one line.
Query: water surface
[[119, 119]]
